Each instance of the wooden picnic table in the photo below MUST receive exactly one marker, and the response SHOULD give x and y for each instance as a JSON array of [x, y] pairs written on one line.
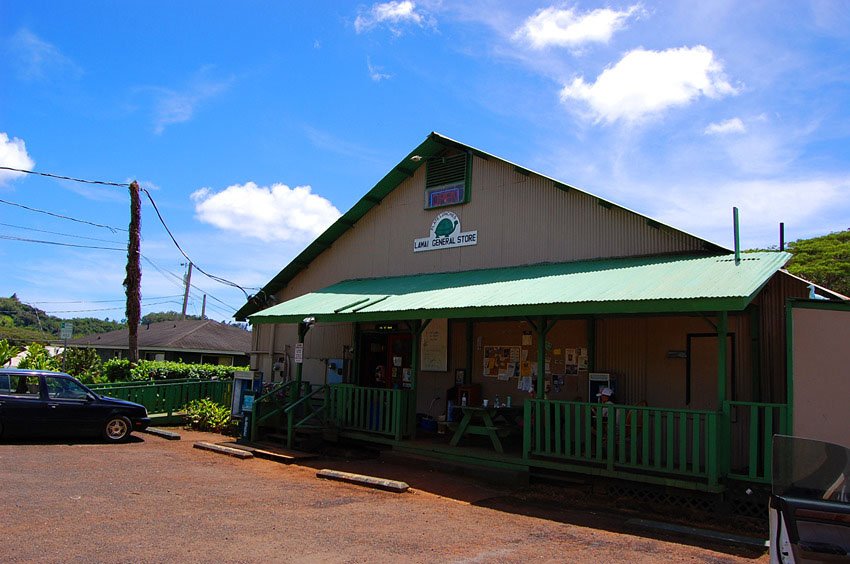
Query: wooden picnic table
[[488, 421]]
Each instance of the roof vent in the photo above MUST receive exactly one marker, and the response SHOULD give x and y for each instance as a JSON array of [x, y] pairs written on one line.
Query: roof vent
[[447, 180]]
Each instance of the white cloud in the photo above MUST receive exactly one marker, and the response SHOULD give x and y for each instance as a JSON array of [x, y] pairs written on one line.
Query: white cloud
[[37, 59], [275, 213], [644, 83], [392, 14], [734, 125], [567, 28], [13, 153], [173, 106], [375, 72]]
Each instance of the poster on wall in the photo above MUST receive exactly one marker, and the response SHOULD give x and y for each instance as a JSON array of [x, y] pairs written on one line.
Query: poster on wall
[[434, 350], [571, 361], [501, 362]]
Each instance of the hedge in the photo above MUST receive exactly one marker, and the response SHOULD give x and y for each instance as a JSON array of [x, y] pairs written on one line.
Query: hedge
[[118, 370]]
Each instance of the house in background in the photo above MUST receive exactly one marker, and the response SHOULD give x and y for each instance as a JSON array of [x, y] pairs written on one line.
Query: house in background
[[461, 278], [192, 341]]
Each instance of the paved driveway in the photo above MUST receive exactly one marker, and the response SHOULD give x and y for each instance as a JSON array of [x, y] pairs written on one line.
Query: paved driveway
[[154, 500]]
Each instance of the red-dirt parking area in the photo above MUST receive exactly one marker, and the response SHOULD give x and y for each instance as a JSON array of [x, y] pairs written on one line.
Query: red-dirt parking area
[[153, 500]]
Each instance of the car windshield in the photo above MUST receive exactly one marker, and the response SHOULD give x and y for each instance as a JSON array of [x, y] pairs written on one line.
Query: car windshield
[[810, 469]]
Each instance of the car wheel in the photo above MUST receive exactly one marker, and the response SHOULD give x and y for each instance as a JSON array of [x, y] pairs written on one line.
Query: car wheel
[[117, 429]]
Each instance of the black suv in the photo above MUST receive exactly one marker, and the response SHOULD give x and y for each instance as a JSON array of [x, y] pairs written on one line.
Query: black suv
[[42, 403]]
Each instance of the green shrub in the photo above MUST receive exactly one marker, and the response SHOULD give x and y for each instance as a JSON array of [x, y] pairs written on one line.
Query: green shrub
[[85, 364], [38, 357], [206, 415], [119, 370]]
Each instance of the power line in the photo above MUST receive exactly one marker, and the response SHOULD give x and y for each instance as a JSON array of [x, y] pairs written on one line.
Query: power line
[[113, 229], [99, 301], [182, 252], [106, 308], [47, 174], [57, 243], [120, 185], [25, 228], [180, 283]]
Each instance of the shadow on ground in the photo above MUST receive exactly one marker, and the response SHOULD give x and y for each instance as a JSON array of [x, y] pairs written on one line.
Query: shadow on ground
[[574, 504]]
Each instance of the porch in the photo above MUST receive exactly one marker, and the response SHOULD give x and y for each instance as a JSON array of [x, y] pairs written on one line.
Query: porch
[[682, 448]]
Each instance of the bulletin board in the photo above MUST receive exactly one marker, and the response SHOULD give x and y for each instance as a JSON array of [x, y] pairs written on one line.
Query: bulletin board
[[434, 351], [502, 362]]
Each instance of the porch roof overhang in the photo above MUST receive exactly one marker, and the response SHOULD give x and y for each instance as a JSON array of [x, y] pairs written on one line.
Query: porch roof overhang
[[658, 284]]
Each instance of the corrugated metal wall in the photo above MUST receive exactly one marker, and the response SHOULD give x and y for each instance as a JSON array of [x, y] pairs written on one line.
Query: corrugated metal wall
[[773, 340], [635, 350], [520, 220]]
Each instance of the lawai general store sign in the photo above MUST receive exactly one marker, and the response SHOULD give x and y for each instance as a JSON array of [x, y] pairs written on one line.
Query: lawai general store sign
[[445, 234]]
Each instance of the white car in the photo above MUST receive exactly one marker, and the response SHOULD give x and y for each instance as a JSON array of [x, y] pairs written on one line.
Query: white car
[[810, 502]]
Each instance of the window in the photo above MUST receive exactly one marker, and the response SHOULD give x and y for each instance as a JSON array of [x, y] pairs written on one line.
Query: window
[[62, 388], [19, 385], [447, 181]]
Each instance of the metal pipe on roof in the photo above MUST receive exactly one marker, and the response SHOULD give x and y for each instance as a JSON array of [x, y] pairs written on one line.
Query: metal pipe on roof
[[737, 235]]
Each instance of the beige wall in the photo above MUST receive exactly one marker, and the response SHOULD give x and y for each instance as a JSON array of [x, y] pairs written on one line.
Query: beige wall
[[821, 369], [520, 220]]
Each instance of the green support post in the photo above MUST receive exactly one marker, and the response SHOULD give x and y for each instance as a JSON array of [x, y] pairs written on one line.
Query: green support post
[[542, 327], [303, 327], [416, 328], [591, 345], [470, 346], [725, 446]]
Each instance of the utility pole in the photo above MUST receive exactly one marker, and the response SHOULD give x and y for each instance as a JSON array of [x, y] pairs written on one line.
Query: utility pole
[[188, 281], [133, 281], [204, 308]]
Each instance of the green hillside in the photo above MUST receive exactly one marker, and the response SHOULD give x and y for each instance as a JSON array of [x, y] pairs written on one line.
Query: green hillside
[[22, 323], [823, 260]]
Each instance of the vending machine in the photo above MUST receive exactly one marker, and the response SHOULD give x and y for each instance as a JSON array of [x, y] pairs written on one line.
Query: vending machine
[[598, 380]]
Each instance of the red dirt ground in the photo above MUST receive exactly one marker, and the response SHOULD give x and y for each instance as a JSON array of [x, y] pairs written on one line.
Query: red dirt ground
[[153, 500]]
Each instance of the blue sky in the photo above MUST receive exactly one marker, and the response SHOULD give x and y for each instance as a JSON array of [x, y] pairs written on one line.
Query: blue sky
[[255, 124]]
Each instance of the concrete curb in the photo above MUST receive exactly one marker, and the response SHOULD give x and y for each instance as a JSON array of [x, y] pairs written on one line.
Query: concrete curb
[[361, 480], [235, 452], [169, 435]]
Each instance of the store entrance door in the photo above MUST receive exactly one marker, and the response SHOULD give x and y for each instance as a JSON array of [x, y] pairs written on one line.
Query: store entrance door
[[386, 360]]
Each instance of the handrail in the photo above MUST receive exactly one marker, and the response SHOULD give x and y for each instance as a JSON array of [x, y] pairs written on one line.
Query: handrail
[[291, 406], [290, 415]]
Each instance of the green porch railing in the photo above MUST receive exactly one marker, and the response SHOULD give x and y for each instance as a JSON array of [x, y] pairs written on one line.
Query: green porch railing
[[165, 399], [374, 410], [269, 408], [753, 427], [661, 441]]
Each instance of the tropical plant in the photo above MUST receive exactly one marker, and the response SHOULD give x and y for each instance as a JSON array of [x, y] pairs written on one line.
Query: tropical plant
[[206, 415], [85, 364], [38, 357], [7, 352]]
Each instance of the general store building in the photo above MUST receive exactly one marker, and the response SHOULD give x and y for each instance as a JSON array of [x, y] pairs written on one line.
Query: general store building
[[461, 277]]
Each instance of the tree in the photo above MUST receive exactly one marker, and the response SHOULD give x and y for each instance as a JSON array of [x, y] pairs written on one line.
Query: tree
[[155, 317], [823, 260]]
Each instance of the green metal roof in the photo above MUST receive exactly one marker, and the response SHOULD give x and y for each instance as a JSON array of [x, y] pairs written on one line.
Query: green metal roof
[[433, 145], [669, 284]]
